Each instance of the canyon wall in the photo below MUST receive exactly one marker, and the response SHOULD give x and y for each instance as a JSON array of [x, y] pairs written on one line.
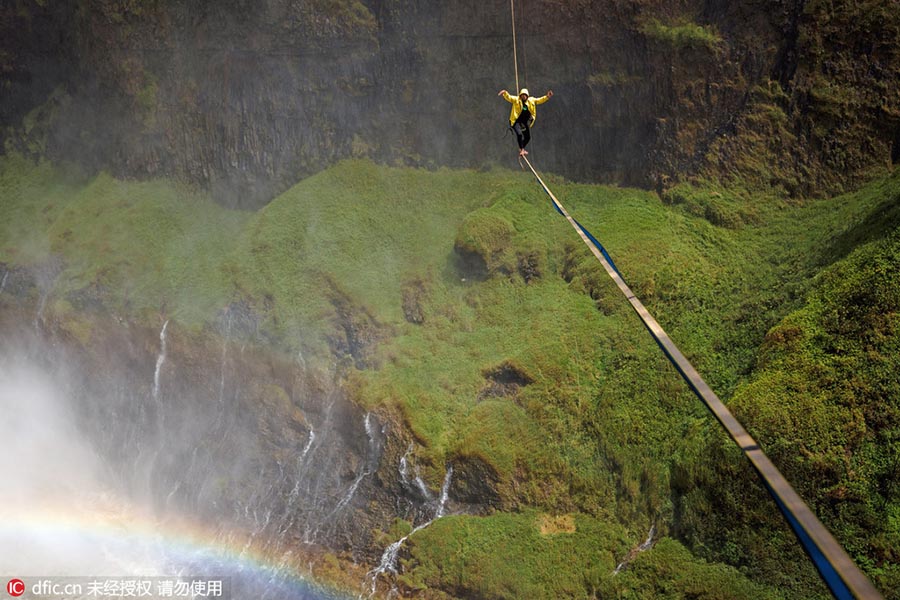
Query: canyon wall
[[247, 98]]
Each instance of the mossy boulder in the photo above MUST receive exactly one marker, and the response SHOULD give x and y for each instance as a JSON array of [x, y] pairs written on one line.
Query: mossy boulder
[[483, 243]]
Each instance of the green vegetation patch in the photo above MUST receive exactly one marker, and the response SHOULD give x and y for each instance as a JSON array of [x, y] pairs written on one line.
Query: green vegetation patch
[[515, 556], [507, 556], [670, 571], [826, 402], [32, 198], [152, 245], [682, 34], [823, 403]]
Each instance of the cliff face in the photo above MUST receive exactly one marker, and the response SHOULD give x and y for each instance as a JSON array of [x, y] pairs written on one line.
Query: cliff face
[[234, 96], [828, 114], [246, 98]]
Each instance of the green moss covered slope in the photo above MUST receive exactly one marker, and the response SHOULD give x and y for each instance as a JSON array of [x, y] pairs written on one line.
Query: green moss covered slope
[[463, 303]]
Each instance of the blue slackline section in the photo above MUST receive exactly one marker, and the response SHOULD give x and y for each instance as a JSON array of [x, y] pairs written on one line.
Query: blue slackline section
[[598, 244], [827, 570]]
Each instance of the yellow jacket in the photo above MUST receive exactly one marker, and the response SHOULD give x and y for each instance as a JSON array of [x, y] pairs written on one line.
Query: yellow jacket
[[517, 106]]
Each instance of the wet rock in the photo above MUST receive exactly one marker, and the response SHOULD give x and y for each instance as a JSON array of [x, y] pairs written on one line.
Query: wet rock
[[469, 264], [414, 295], [529, 266], [475, 485], [361, 331], [239, 320], [90, 298], [18, 282]]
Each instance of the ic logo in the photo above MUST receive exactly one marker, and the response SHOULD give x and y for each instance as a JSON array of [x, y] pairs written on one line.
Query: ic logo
[[15, 587]]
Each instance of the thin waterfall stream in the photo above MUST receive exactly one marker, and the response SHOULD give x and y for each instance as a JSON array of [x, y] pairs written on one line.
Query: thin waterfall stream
[[388, 563]]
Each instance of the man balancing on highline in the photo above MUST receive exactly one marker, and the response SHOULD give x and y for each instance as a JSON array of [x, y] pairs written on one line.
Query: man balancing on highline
[[522, 115]]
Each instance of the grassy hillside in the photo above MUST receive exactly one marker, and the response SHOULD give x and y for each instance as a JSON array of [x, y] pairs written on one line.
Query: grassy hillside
[[824, 401], [464, 303]]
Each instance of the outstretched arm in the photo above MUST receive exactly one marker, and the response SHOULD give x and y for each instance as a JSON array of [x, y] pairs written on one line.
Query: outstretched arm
[[543, 99], [506, 96]]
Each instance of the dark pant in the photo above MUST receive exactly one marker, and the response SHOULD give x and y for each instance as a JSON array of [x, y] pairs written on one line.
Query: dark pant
[[523, 133]]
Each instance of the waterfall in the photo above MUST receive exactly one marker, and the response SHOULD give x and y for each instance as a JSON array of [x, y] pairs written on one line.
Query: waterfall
[[645, 545], [423, 488], [404, 465], [370, 432], [224, 357], [445, 493], [300, 360], [148, 452], [649, 541], [302, 466], [371, 451], [327, 523], [288, 519], [350, 493], [389, 558], [312, 438], [39, 315], [160, 360], [388, 563], [314, 500]]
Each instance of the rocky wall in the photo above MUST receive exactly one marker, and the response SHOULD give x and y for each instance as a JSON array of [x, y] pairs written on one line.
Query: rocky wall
[[247, 98]]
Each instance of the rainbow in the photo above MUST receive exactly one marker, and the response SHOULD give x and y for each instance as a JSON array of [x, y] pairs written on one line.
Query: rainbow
[[107, 538]]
